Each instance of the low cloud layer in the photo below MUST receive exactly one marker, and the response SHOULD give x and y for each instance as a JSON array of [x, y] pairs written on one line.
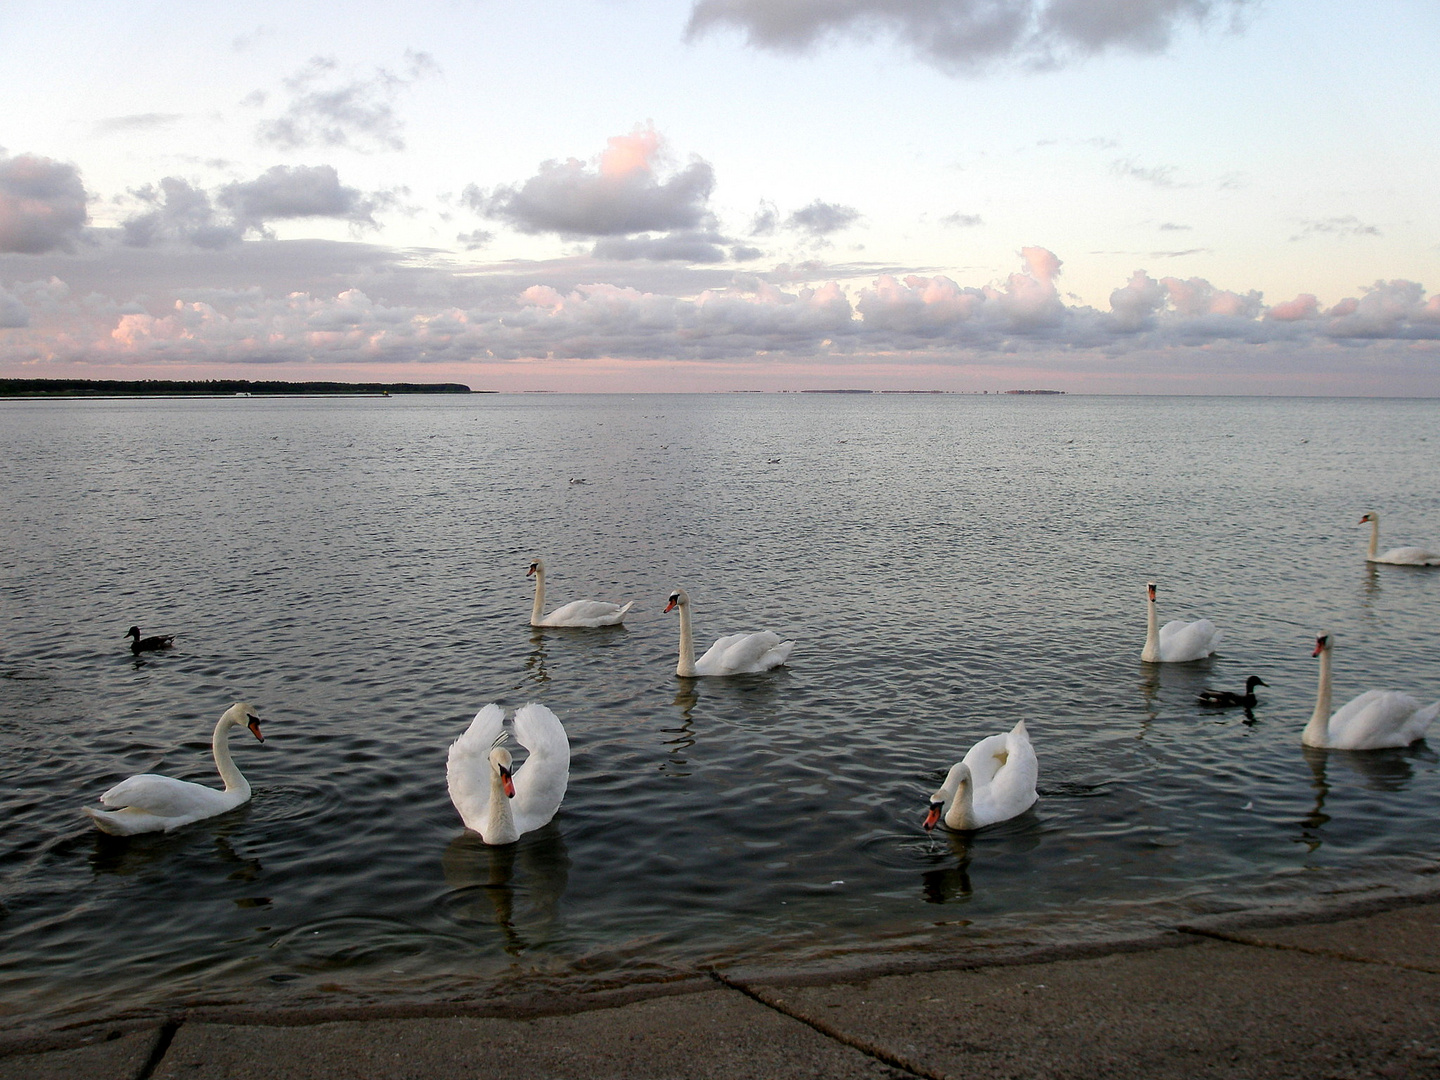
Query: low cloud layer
[[962, 36], [42, 204], [492, 316]]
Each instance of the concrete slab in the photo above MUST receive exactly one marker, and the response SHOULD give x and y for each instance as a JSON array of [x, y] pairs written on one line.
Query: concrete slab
[[715, 1034], [1208, 1010], [115, 1059], [1408, 936]]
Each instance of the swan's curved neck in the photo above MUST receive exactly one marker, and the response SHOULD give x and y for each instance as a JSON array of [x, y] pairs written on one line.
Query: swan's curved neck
[[500, 829], [220, 747], [539, 609], [960, 813], [1374, 536], [686, 666], [1151, 653], [1317, 732]]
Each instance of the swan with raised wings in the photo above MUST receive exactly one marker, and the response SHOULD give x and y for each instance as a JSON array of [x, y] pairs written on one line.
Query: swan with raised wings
[[151, 803], [994, 782], [582, 613], [1373, 721], [1401, 556], [734, 654], [1177, 641], [497, 799]]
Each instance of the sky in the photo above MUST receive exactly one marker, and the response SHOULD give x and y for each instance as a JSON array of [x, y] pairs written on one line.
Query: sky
[[1103, 196]]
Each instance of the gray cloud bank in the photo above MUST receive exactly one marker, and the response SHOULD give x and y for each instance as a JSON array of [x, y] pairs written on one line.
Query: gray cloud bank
[[380, 309], [966, 35], [42, 204]]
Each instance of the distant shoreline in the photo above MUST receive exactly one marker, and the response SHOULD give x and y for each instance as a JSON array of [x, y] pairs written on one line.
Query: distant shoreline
[[48, 388]]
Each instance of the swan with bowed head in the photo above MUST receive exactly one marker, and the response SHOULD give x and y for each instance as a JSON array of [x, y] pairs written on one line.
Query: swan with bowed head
[[1373, 721], [579, 613], [151, 803], [734, 654], [994, 782], [1401, 556], [1177, 641], [497, 799]]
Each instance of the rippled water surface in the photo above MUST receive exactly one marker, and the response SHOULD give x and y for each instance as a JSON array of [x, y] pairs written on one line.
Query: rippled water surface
[[946, 565]]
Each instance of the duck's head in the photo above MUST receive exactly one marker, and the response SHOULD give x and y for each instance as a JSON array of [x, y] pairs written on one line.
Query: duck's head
[[1252, 682], [1150, 591], [536, 567], [243, 715], [1369, 517], [678, 598], [501, 762], [1322, 644], [134, 632]]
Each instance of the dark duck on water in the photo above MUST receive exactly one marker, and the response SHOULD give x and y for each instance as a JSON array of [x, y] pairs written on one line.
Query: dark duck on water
[[1228, 699], [140, 644]]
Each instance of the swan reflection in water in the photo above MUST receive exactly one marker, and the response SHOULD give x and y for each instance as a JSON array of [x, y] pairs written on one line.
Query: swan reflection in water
[[518, 886], [1005, 843], [535, 663], [1379, 770], [127, 856]]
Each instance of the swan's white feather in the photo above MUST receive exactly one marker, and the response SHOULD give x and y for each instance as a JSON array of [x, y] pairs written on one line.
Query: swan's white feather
[[1408, 556], [164, 796], [1181, 641], [541, 781], [1378, 719], [738, 654], [586, 613]]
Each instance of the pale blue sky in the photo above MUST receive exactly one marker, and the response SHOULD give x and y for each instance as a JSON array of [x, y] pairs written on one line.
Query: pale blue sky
[[1283, 148]]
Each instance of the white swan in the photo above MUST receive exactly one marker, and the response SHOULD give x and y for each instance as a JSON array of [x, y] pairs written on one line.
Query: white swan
[[735, 654], [150, 803], [1402, 556], [1372, 721], [995, 782], [575, 613], [495, 801], [1177, 641]]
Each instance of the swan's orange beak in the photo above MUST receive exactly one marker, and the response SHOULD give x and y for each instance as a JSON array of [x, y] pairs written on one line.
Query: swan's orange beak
[[530, 572], [1151, 590], [509, 784], [933, 817], [669, 607], [254, 726], [1319, 646]]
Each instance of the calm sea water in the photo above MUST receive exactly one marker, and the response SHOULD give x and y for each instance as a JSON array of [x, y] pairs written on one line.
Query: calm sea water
[[947, 566]]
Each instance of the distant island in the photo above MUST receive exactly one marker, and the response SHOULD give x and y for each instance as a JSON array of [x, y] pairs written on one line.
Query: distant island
[[1034, 391], [211, 388]]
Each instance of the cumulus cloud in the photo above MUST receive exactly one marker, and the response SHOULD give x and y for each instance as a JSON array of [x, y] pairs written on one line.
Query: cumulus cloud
[[42, 204], [820, 219], [176, 210], [958, 220], [328, 108], [961, 36], [619, 193]]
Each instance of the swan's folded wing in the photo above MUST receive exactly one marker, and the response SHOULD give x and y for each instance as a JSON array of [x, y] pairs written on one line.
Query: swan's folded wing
[[541, 781], [1410, 556], [1378, 719], [759, 651], [1180, 640], [163, 796], [587, 613]]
